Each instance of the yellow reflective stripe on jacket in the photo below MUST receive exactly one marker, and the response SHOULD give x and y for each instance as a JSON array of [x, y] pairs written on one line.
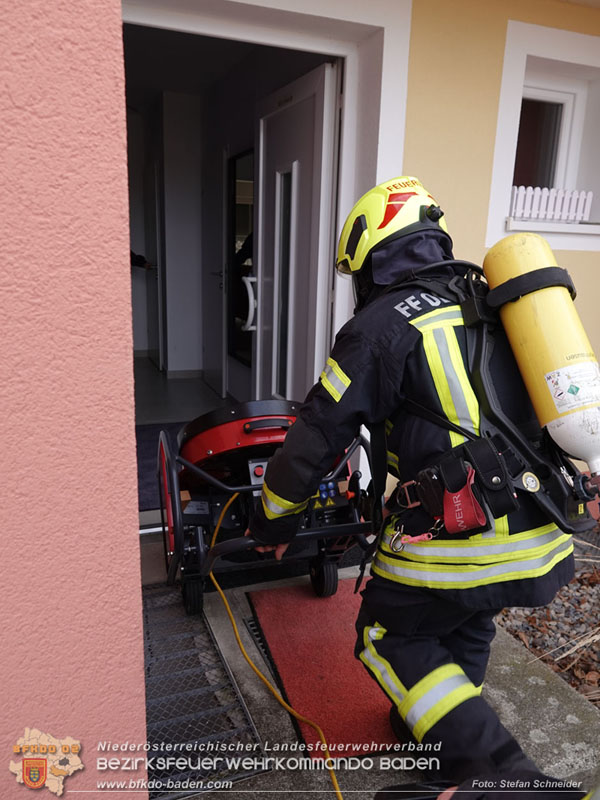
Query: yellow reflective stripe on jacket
[[449, 315], [501, 528], [465, 576], [392, 460], [334, 379], [380, 667], [275, 506], [531, 543], [445, 361], [434, 696]]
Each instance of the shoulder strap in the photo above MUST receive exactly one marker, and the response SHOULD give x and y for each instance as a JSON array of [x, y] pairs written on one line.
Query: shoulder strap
[[432, 416], [450, 290], [378, 470]]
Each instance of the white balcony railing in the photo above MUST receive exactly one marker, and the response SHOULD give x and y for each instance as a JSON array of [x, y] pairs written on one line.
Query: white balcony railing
[[551, 205]]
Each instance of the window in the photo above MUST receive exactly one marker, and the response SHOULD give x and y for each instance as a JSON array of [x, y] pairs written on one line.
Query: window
[[552, 113], [546, 175], [547, 189], [537, 143]]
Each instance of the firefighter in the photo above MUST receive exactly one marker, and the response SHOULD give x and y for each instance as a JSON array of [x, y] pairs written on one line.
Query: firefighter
[[427, 617]]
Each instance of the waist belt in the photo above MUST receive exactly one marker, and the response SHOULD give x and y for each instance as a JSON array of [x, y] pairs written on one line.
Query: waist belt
[[466, 489]]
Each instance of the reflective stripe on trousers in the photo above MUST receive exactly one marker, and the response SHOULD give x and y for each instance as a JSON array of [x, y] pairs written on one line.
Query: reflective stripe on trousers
[[434, 696], [593, 795]]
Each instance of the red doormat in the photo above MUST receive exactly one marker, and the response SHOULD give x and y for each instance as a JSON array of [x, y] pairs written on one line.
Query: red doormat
[[311, 642]]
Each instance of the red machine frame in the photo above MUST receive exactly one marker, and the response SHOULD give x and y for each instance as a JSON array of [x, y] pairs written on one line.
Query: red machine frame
[[215, 453]]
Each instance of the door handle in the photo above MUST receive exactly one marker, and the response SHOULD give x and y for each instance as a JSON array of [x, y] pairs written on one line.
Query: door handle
[[248, 281]]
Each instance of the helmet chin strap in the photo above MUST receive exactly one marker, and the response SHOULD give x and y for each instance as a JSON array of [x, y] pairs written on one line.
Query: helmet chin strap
[[362, 286], [368, 296], [360, 295]]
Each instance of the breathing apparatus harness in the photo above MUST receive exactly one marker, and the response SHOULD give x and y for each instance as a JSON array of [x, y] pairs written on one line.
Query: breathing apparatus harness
[[480, 479]]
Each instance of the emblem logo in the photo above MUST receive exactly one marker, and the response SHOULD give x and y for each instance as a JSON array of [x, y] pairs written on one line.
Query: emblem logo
[[530, 482], [395, 203], [34, 772], [42, 760]]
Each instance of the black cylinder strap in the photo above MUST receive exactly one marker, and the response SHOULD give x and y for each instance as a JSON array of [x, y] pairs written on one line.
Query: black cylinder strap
[[541, 278]]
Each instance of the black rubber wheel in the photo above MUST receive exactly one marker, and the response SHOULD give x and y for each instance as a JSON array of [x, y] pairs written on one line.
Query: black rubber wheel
[[192, 590], [324, 577]]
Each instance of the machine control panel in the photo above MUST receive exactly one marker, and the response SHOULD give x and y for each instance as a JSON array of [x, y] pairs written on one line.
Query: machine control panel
[[257, 469]]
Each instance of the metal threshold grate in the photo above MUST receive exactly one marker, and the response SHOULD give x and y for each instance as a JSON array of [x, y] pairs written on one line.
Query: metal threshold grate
[[258, 639], [196, 716]]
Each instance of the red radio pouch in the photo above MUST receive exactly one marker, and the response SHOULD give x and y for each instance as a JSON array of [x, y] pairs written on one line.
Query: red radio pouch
[[462, 511]]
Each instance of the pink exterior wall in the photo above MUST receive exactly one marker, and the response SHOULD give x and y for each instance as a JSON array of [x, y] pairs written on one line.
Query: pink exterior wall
[[72, 651]]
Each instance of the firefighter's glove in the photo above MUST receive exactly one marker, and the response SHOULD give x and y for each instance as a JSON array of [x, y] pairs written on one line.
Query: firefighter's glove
[[278, 549]]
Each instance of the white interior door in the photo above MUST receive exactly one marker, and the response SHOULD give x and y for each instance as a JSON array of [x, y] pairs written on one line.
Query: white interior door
[[294, 247]]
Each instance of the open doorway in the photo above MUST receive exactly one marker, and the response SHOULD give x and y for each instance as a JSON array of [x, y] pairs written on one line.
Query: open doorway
[[216, 195]]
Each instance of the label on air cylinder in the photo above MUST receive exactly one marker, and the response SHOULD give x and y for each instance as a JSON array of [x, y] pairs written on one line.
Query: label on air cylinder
[[575, 386]]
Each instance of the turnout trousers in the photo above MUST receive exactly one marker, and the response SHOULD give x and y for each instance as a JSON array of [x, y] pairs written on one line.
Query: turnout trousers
[[429, 655]]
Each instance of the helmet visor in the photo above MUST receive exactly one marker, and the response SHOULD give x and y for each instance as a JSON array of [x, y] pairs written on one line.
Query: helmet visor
[[343, 267]]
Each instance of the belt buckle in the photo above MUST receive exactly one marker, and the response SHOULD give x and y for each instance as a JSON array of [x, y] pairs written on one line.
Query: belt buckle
[[410, 503]]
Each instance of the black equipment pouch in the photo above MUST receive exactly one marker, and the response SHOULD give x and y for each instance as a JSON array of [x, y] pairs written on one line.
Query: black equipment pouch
[[429, 489], [476, 480], [469, 487], [492, 476]]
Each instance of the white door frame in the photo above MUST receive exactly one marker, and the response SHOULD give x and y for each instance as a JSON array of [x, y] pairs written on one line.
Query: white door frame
[[373, 39]]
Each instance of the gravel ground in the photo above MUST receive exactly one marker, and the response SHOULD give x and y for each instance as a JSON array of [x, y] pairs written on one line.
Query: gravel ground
[[566, 634]]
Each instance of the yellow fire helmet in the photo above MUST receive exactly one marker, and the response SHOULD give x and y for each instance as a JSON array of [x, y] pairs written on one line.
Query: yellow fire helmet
[[392, 209]]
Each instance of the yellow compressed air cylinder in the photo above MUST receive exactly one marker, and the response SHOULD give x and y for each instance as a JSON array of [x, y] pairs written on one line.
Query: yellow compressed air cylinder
[[554, 354]]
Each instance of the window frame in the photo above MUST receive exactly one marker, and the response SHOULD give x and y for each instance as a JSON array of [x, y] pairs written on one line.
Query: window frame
[[581, 50], [548, 89]]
